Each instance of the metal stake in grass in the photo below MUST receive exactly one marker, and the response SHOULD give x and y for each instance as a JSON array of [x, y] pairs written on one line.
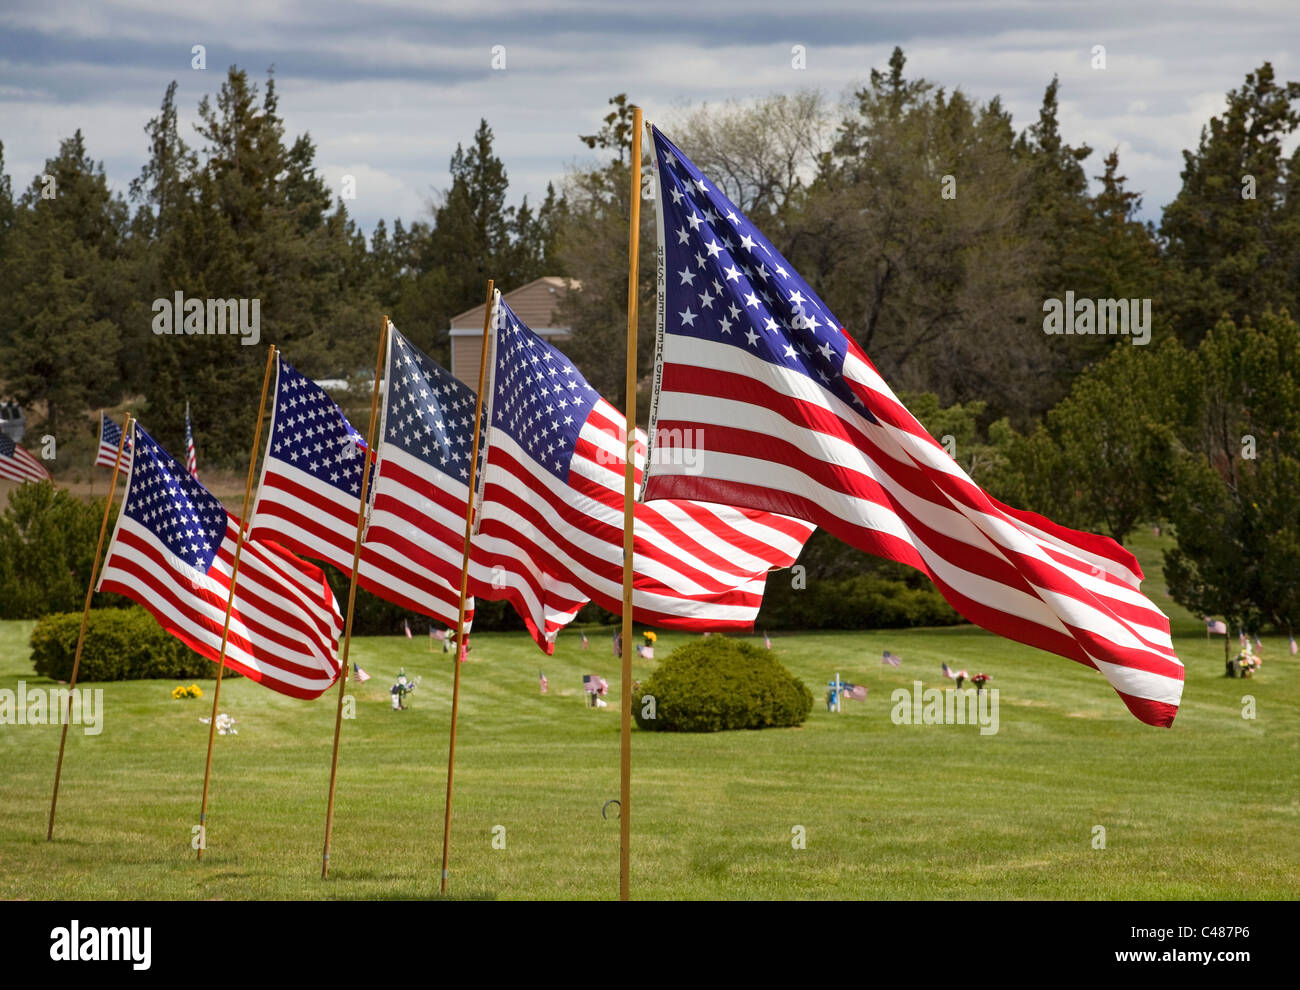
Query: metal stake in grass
[[230, 602], [85, 617], [489, 309], [352, 595]]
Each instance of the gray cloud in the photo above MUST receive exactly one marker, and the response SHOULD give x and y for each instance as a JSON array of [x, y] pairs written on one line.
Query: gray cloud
[[388, 89]]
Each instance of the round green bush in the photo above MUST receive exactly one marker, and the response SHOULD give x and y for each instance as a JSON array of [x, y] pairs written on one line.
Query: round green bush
[[121, 645], [717, 683]]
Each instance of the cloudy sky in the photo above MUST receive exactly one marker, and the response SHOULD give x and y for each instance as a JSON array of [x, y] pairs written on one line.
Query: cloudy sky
[[388, 88]]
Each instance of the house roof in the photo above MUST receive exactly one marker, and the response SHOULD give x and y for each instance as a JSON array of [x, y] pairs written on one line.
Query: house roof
[[534, 303]]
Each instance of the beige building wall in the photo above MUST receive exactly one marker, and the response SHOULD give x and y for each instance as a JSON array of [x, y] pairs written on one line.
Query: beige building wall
[[535, 303]]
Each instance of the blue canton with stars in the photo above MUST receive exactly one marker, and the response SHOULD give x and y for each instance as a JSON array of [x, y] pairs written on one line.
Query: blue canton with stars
[[539, 399], [185, 517], [430, 412], [313, 435], [111, 432], [725, 282]]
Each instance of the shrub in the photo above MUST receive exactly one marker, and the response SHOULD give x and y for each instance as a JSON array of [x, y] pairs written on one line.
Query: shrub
[[47, 549], [716, 683], [844, 588], [121, 645]]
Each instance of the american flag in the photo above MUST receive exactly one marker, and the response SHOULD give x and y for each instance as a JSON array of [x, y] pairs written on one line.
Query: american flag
[[550, 527], [173, 550], [19, 464], [796, 419], [1215, 626], [1294, 648], [110, 435], [855, 692], [894, 660], [542, 677], [358, 674], [191, 458], [591, 683], [310, 493], [421, 486]]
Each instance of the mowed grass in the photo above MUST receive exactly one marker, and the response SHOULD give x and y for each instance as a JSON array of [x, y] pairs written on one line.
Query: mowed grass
[[1208, 809]]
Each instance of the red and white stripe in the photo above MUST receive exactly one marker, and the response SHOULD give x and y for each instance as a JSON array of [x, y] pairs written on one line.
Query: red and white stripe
[[776, 440], [320, 521], [22, 465], [285, 624], [550, 547], [415, 536]]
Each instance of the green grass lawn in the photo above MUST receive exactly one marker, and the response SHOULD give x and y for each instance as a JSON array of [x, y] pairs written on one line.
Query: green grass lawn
[[1207, 809]]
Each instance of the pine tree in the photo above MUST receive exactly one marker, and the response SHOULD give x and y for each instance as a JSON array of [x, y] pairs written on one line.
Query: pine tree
[[64, 264], [1233, 232], [251, 220]]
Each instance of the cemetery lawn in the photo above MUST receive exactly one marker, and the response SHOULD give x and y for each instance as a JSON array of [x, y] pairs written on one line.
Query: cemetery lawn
[[1207, 809]]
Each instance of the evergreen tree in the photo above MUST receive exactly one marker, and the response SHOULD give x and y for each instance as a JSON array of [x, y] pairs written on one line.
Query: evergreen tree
[[913, 232], [7, 209], [64, 264], [251, 220], [1236, 504], [1233, 232]]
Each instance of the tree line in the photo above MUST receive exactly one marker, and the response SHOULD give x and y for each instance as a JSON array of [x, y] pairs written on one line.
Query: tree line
[[936, 230]]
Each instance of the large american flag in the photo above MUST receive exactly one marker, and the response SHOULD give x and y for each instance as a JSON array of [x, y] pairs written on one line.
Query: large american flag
[[796, 419], [173, 550], [191, 458], [310, 493], [110, 434], [421, 486], [19, 464], [550, 531]]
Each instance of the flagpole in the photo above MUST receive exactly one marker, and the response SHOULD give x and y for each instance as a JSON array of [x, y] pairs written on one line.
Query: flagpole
[[96, 457], [464, 582], [352, 595], [629, 476], [85, 618], [230, 603]]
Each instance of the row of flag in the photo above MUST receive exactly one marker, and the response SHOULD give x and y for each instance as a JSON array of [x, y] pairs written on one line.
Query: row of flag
[[1218, 627], [548, 535], [19, 464], [797, 428], [110, 436]]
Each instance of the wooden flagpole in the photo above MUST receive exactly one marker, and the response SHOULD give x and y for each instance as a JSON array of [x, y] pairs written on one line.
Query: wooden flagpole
[[96, 456], [464, 583], [230, 601], [629, 475], [352, 595], [85, 618]]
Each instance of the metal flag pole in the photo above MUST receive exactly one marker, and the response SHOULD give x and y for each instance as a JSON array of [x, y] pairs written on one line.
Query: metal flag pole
[[352, 596], [629, 476], [85, 618], [230, 603], [464, 582]]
